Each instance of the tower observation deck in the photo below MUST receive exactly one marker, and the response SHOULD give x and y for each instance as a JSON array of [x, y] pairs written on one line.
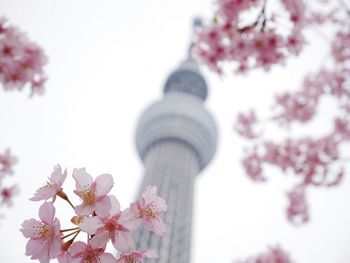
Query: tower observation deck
[[176, 138]]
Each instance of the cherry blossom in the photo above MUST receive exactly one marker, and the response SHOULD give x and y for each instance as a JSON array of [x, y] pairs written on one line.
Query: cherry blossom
[[297, 211], [244, 125], [137, 256], [117, 227], [92, 193], [232, 39], [7, 193], [22, 61], [44, 236], [149, 208], [93, 252], [7, 160], [252, 163], [52, 187], [313, 161], [273, 255], [100, 224]]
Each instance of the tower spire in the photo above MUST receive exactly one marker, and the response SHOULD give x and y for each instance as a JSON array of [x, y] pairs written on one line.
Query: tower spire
[[187, 78]]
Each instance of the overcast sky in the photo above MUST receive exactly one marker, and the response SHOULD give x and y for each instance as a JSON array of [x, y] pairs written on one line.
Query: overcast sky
[[108, 61]]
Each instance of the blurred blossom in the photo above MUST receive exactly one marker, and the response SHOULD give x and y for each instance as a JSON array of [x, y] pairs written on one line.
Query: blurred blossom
[[21, 62], [273, 255]]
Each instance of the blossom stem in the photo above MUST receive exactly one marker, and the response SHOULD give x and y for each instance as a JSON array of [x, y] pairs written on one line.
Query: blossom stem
[[75, 232], [65, 197], [69, 229]]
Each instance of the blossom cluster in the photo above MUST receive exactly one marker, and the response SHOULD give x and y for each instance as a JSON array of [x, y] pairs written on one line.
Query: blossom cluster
[[21, 61], [7, 160], [99, 215], [232, 39], [316, 162], [273, 255]]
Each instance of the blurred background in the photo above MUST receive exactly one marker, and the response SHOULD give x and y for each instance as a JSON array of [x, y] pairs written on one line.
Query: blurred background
[[108, 61]]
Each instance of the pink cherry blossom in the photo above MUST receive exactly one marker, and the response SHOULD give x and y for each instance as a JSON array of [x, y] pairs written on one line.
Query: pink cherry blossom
[[7, 193], [7, 160], [137, 256], [341, 46], [116, 227], [52, 187], [342, 128], [297, 210], [92, 193], [93, 252], [230, 39], [295, 107], [245, 125], [44, 236], [22, 61], [252, 163], [149, 208], [273, 255]]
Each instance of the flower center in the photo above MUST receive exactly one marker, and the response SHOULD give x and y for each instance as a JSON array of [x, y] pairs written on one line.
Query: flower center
[[131, 260], [90, 258], [111, 226], [45, 232], [150, 213], [89, 196]]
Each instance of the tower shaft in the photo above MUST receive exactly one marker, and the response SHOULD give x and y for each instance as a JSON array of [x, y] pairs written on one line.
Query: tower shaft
[[171, 165]]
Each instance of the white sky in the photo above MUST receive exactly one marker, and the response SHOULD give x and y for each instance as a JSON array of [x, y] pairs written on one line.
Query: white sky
[[108, 61]]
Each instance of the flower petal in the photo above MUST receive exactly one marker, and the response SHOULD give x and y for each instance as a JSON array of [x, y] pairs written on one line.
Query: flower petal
[[107, 258], [84, 210], [103, 206], [104, 184], [82, 179], [90, 225], [47, 213], [123, 241], [29, 228], [115, 206], [100, 240], [77, 248]]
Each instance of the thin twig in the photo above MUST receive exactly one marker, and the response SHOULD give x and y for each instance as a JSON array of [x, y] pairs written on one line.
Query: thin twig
[[76, 232], [69, 229]]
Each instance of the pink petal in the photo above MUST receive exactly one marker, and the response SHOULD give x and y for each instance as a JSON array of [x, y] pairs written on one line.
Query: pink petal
[[29, 227], [149, 193], [100, 240], [57, 227], [158, 226], [103, 206], [129, 219], [43, 193], [77, 248], [151, 253], [123, 241], [161, 204], [107, 258], [84, 210], [33, 247], [104, 184], [115, 206], [63, 258], [57, 177], [55, 247], [47, 213], [91, 224], [82, 179]]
